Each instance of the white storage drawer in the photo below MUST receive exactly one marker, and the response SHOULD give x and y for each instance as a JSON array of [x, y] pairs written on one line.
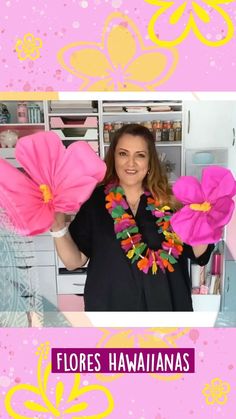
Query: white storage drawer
[[21, 258], [33, 244], [77, 133], [7, 152], [43, 243], [206, 302], [71, 283], [73, 122]]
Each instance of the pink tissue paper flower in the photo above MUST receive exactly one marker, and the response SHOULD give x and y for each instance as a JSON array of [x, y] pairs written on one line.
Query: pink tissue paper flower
[[208, 206], [56, 179]]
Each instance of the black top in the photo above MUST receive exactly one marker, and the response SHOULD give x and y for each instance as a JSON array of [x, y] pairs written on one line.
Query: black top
[[113, 282]]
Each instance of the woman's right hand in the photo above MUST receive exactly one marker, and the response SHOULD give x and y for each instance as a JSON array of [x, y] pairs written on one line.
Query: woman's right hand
[[59, 221]]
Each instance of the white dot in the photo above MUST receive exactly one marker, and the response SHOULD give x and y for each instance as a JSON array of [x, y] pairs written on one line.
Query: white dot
[[76, 24], [85, 382], [212, 63], [84, 4], [209, 36], [5, 381], [116, 3], [218, 37]]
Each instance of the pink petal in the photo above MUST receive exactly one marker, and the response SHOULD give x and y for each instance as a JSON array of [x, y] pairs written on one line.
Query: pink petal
[[77, 174], [217, 182], [221, 212], [72, 173], [193, 227], [22, 201], [40, 155], [188, 190]]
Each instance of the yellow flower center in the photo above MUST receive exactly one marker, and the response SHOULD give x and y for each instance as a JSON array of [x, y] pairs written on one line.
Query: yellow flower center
[[205, 206], [47, 193]]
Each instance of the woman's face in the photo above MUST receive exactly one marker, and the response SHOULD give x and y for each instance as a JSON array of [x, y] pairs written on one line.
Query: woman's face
[[131, 160]]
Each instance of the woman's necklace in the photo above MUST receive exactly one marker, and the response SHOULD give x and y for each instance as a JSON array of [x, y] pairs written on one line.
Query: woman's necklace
[[133, 206], [131, 241]]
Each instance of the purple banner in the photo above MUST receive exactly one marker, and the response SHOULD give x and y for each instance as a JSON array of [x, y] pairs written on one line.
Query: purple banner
[[87, 360]]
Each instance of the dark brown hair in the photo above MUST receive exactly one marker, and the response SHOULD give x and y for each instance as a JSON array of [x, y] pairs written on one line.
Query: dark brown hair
[[156, 180]]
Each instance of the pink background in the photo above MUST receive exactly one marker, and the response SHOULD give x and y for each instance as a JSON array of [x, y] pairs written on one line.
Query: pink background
[[139, 396], [59, 23]]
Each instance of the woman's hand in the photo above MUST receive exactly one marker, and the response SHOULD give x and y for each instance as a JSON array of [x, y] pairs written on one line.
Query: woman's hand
[[59, 221], [199, 250]]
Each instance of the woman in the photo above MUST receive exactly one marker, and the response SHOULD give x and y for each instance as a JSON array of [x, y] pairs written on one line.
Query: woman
[[136, 263]]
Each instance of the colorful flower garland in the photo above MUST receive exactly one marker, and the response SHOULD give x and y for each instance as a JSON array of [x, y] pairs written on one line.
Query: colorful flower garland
[[127, 231]]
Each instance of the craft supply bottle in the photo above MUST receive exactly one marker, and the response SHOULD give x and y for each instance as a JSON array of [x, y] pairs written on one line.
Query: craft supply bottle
[[22, 114], [216, 263]]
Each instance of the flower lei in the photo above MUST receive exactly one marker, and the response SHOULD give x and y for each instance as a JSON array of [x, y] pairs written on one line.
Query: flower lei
[[127, 231]]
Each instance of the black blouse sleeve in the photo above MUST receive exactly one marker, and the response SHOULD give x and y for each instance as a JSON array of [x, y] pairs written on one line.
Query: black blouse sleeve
[[201, 260], [80, 230]]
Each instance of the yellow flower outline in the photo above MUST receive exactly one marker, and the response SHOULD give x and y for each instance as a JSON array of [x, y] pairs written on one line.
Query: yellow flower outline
[[201, 13], [49, 407], [28, 47], [154, 337], [216, 392], [98, 64]]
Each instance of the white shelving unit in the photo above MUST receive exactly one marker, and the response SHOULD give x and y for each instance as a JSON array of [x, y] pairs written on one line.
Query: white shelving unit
[[84, 120]]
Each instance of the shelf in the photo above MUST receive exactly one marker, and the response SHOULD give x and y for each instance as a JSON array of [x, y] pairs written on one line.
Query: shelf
[[161, 113], [142, 103], [17, 124], [69, 113], [207, 164], [160, 144]]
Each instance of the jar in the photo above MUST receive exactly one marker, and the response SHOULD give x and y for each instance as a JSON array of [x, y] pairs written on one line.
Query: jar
[[117, 125], [106, 129], [171, 134], [4, 114], [178, 134], [111, 132], [22, 113], [154, 125], [148, 125]]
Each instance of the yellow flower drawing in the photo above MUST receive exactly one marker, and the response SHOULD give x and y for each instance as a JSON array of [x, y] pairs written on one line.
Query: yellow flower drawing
[[216, 391], [155, 337], [174, 20], [121, 61], [28, 47], [41, 402]]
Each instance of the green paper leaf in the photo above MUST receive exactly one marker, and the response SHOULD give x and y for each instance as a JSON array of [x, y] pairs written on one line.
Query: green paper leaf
[[139, 250], [164, 255], [117, 212], [171, 259], [119, 189], [122, 235], [132, 229]]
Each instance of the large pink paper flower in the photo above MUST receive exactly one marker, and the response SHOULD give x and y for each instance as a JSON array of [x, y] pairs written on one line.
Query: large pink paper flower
[[208, 206], [57, 179]]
